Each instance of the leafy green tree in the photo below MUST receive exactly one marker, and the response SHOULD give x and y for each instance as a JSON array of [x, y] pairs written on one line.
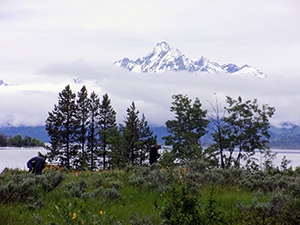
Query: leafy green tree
[[217, 125], [62, 126], [106, 123], [83, 103], [27, 141], [18, 140], [36, 142], [246, 129], [187, 129]]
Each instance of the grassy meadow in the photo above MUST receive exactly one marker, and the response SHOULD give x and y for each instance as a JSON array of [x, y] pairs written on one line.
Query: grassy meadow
[[193, 194]]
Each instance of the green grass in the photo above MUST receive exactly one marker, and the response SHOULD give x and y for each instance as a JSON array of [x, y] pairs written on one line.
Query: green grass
[[117, 201]]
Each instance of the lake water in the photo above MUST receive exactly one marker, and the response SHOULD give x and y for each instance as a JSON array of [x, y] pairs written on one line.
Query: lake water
[[12, 157]]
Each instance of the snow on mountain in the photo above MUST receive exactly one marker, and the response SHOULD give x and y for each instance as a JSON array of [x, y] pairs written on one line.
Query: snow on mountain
[[2, 83], [77, 80], [163, 58]]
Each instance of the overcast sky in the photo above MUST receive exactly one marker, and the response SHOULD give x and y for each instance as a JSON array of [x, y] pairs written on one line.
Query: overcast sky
[[45, 44]]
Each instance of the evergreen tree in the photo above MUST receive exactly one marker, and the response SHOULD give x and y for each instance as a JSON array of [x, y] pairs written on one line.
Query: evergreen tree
[[93, 130], [62, 126], [118, 148], [83, 105], [107, 122], [3, 140], [147, 140], [137, 137], [187, 128]]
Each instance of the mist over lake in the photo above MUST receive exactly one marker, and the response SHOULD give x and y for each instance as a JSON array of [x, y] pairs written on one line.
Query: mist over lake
[[13, 157]]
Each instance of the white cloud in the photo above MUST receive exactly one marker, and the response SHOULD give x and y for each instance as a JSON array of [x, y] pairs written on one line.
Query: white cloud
[[28, 104]]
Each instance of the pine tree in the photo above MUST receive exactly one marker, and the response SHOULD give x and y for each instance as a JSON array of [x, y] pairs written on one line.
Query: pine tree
[[137, 136], [83, 105], [118, 148], [3, 140], [62, 125], [147, 140], [93, 130], [107, 122]]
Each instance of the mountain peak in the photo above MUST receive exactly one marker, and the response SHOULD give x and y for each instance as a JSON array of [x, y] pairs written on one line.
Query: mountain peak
[[162, 46], [163, 58], [2, 83]]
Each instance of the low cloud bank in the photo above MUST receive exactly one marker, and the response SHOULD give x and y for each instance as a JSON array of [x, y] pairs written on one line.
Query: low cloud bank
[[28, 104]]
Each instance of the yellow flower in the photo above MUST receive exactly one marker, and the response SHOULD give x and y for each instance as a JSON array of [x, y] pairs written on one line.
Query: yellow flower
[[74, 216], [101, 213]]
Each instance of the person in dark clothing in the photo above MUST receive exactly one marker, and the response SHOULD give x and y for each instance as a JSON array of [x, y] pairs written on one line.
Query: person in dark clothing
[[36, 165], [154, 154]]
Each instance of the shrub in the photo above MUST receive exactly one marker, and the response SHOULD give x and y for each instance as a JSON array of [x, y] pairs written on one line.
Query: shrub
[[181, 207], [112, 193], [116, 184], [136, 181], [98, 181], [266, 212], [24, 187], [136, 220]]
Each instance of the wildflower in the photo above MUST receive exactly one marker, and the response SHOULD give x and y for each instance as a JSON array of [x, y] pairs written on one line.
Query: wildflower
[[76, 174], [74, 216], [101, 213]]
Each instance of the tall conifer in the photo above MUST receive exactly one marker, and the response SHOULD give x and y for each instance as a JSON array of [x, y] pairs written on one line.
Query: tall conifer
[[107, 122], [138, 136], [83, 103], [62, 125], [93, 130]]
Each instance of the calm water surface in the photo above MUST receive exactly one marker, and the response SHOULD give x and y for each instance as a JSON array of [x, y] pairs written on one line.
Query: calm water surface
[[12, 157]]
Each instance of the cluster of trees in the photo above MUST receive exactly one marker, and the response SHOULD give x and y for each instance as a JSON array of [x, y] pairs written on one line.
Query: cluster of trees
[[18, 141], [84, 132], [238, 130]]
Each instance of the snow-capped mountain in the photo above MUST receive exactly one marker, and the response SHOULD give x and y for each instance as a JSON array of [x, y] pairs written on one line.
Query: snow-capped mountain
[[2, 83], [163, 58]]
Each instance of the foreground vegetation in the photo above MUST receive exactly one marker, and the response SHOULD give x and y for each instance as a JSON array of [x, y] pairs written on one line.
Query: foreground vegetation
[[191, 194]]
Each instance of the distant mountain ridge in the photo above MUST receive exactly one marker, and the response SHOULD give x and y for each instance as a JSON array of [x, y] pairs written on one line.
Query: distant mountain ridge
[[285, 137], [163, 58]]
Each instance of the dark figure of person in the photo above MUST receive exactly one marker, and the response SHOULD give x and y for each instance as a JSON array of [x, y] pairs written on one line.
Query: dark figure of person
[[36, 165], [154, 154]]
